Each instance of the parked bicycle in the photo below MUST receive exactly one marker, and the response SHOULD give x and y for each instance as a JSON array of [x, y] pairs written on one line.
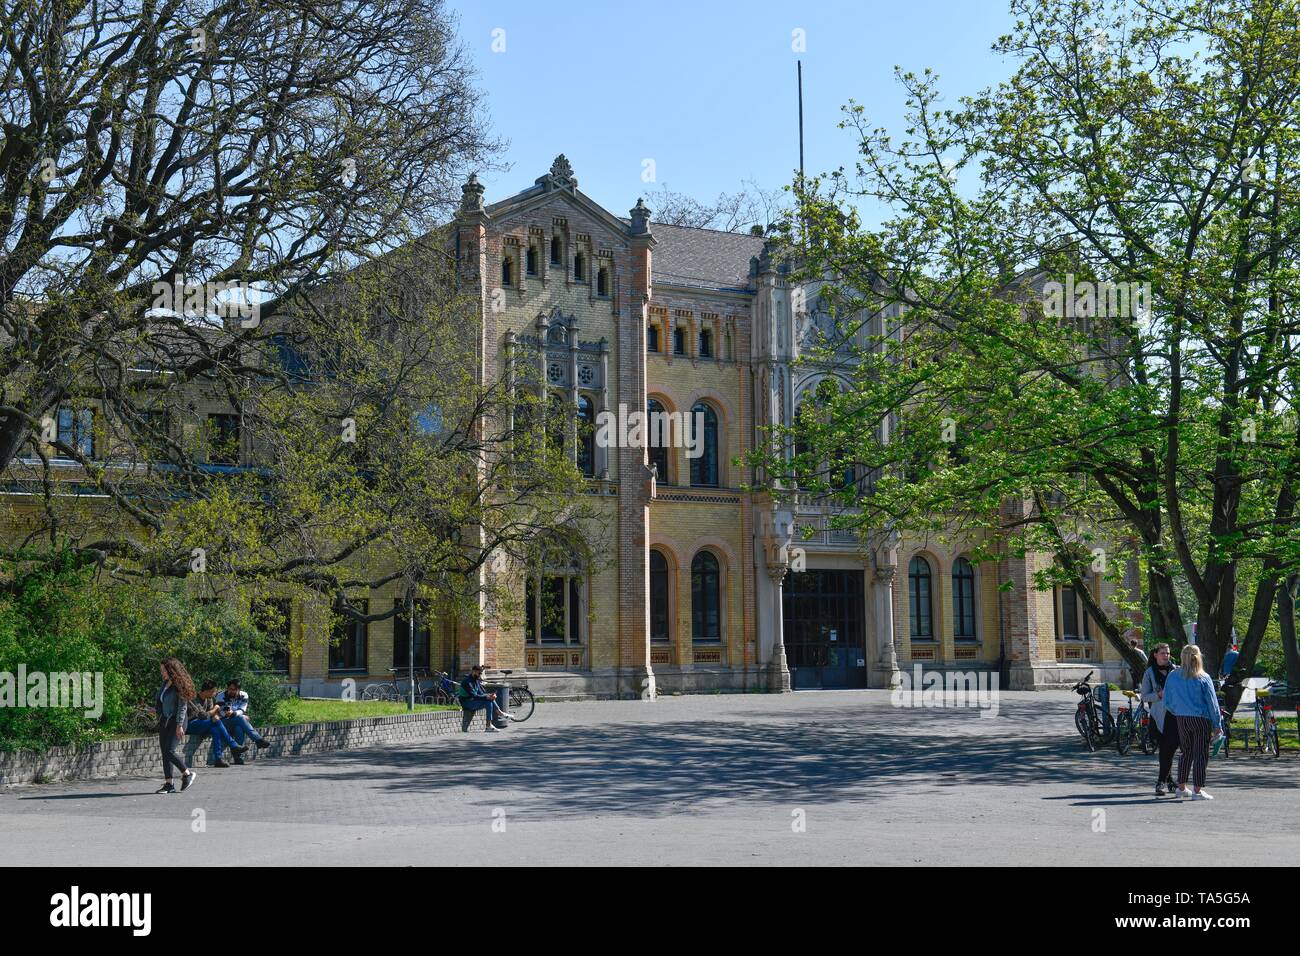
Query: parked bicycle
[[1133, 724], [522, 702], [399, 689], [1092, 718], [1264, 731]]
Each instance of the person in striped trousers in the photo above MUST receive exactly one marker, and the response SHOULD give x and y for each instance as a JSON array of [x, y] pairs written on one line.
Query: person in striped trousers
[[1190, 697]]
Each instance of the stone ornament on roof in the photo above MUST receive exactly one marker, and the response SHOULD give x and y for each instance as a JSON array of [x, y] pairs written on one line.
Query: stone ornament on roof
[[640, 218], [561, 175], [471, 195]]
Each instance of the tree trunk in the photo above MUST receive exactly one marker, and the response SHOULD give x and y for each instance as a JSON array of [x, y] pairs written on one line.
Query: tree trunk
[[1286, 601]]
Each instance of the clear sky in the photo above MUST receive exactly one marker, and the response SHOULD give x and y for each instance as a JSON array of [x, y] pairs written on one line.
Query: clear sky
[[705, 89]]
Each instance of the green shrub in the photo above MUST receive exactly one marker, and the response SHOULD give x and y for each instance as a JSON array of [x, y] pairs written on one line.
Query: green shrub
[[58, 618]]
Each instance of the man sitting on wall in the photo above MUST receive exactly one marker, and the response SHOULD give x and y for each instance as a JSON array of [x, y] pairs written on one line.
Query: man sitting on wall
[[474, 696], [233, 702], [205, 718]]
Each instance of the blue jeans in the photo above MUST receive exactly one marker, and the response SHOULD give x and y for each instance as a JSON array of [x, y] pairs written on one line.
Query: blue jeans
[[479, 703], [239, 726], [220, 737]]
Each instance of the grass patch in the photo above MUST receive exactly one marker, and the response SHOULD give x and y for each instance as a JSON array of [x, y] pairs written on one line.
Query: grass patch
[[299, 711], [1286, 732]]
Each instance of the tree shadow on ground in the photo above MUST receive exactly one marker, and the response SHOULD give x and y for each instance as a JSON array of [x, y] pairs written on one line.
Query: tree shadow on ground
[[832, 755]]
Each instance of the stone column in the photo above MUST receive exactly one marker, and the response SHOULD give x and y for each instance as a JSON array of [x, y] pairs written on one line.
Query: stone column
[[778, 679]]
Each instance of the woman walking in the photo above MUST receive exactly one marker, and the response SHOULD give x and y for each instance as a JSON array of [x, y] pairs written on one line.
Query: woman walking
[[1164, 724], [171, 705], [1189, 696]]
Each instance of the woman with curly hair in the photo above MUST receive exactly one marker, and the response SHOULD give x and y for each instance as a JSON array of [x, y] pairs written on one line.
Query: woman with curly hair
[[171, 705]]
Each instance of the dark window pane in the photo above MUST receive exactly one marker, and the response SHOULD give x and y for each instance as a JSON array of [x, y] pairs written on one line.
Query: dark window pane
[[657, 438], [552, 610], [1069, 614], [704, 466], [918, 590], [223, 430], [402, 634], [658, 597], [348, 648], [586, 436], [963, 599], [706, 623]]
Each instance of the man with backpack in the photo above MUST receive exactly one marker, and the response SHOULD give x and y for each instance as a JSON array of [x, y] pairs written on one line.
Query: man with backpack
[[474, 696]]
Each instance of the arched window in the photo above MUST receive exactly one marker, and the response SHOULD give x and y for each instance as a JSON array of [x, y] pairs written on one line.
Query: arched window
[[579, 267], [963, 600], [532, 260], [557, 251], [657, 438], [586, 436], [557, 419], [706, 598], [918, 596], [704, 464], [507, 271], [554, 599], [660, 631], [602, 282]]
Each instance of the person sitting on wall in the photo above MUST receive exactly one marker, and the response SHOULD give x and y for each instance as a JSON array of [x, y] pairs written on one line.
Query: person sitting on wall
[[233, 702], [205, 719], [474, 696]]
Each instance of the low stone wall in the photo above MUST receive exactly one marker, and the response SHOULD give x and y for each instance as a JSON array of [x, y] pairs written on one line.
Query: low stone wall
[[139, 756]]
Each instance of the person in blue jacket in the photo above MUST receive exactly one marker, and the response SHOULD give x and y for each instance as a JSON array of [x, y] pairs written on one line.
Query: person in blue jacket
[[1189, 696]]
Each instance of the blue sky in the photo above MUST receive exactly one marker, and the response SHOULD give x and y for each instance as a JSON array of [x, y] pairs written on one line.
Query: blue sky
[[707, 90]]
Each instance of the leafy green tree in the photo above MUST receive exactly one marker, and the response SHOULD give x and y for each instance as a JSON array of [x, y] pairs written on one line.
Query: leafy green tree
[[1149, 150]]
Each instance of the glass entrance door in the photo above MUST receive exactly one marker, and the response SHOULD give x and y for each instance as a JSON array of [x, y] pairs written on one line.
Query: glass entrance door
[[824, 628]]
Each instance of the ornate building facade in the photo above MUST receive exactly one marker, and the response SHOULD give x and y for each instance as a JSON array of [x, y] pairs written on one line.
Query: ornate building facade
[[695, 590]]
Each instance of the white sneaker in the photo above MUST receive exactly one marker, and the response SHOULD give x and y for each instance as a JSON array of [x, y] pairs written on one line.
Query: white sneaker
[[492, 730], [1201, 795], [502, 714], [1183, 792]]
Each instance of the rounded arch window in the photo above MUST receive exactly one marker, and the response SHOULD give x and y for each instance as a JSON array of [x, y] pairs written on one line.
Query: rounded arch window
[[920, 604], [658, 438], [660, 620], [963, 600], [704, 445], [706, 598]]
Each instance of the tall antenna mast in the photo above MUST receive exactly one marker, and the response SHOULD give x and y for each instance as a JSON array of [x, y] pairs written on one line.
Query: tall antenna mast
[[799, 64]]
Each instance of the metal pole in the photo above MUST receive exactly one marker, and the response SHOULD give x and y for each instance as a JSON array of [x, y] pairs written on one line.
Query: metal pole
[[799, 64], [410, 656]]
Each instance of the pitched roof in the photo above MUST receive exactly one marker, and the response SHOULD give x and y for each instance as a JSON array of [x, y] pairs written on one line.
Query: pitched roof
[[705, 258]]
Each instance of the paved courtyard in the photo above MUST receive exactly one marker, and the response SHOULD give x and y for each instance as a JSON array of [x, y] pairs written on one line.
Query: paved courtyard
[[709, 779]]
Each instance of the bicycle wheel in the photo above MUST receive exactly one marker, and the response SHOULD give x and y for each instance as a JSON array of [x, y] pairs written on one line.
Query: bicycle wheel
[[1124, 733], [1096, 736], [374, 692], [522, 704], [1146, 738], [1081, 725], [1106, 725], [1272, 745]]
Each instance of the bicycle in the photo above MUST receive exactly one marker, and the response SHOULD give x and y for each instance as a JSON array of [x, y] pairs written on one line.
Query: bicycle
[[1225, 720], [1130, 726], [1095, 725], [1265, 729], [522, 702], [393, 690]]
